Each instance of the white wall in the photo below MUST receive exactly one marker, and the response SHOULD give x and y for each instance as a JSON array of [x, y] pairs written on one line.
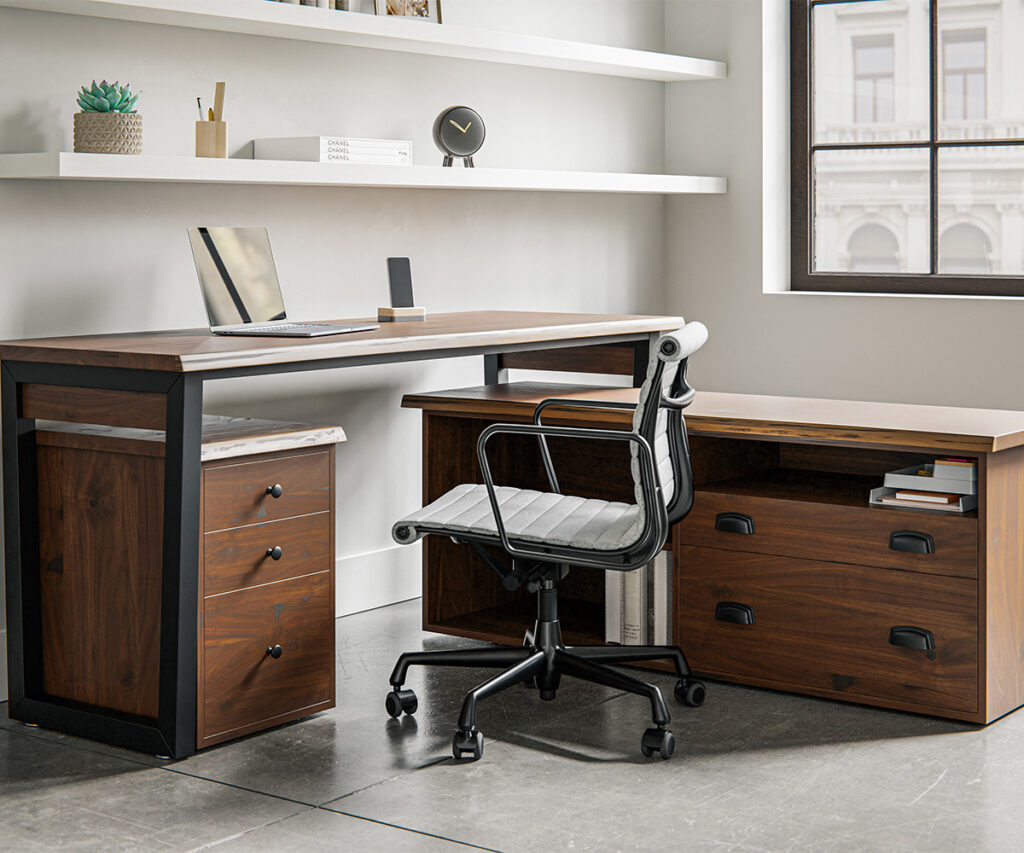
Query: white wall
[[92, 257], [945, 351]]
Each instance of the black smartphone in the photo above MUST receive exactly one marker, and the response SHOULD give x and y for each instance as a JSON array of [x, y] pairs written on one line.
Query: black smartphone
[[400, 282]]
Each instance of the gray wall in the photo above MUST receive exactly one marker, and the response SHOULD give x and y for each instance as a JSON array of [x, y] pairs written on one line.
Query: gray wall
[[80, 258], [944, 351]]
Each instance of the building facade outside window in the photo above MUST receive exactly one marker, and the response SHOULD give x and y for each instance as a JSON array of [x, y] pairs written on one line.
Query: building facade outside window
[[907, 146]]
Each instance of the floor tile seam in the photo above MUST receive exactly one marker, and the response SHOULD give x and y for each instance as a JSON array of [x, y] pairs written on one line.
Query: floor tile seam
[[281, 797], [251, 829], [326, 803], [415, 831]]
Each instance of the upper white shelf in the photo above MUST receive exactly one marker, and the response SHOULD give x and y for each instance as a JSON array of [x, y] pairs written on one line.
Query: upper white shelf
[[59, 165], [282, 20]]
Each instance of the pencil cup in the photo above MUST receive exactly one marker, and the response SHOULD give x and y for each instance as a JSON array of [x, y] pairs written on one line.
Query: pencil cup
[[211, 139]]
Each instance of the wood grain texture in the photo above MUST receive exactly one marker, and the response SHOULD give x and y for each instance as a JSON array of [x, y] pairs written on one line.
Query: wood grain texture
[[138, 409], [101, 524], [456, 581], [826, 626], [610, 359], [237, 557], [235, 494], [188, 350], [1003, 581], [244, 687], [321, 622], [930, 429], [824, 531], [224, 437]]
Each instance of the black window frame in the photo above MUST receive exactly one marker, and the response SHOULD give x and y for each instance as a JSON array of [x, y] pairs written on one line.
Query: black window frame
[[802, 149]]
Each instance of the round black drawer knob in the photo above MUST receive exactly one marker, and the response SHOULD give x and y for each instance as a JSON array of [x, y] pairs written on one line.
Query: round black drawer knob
[[275, 491], [275, 651], [275, 553]]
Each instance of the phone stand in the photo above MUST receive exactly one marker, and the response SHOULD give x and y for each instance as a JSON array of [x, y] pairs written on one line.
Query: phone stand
[[400, 315]]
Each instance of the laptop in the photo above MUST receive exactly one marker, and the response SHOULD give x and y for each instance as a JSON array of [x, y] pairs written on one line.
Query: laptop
[[240, 287]]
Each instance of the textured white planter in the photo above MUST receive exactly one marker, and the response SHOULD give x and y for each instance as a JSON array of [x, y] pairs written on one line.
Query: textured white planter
[[108, 133]]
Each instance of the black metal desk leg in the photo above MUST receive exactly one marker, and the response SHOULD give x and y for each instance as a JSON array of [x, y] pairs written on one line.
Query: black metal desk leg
[[642, 356], [494, 373], [21, 547], [180, 578]]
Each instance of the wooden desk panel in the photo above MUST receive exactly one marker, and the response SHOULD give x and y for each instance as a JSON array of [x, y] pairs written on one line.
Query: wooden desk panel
[[850, 423], [190, 350]]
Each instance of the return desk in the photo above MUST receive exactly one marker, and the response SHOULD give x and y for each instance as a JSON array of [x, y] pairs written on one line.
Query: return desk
[[155, 381], [816, 591]]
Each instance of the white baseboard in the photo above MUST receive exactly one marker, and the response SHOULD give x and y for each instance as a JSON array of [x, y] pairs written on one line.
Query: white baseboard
[[377, 578], [3, 665]]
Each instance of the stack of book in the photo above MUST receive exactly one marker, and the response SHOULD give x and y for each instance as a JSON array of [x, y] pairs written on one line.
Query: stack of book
[[334, 149], [638, 604], [950, 484]]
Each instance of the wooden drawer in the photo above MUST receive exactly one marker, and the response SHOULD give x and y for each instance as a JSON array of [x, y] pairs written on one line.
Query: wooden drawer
[[237, 557], [236, 494], [243, 688], [825, 626], [845, 534]]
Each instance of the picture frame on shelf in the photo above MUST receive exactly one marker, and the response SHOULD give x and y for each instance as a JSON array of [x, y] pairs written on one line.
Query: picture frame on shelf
[[424, 10], [366, 7]]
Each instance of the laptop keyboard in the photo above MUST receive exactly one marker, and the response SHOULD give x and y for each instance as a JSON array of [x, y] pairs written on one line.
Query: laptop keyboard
[[295, 326]]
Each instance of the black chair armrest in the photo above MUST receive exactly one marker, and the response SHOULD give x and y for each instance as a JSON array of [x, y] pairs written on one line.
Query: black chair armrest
[[652, 494], [566, 403]]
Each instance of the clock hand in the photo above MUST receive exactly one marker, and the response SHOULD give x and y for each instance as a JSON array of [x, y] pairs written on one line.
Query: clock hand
[[470, 124], [452, 121]]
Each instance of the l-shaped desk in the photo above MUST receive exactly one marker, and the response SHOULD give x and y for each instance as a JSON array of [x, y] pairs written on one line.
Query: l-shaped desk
[[154, 380]]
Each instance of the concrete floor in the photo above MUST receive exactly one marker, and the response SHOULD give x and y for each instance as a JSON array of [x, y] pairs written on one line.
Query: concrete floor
[[753, 770]]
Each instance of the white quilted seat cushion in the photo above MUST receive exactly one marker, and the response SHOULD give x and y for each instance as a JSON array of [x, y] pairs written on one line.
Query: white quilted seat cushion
[[541, 517]]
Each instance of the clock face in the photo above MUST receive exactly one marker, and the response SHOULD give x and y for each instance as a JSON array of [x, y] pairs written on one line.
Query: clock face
[[459, 131]]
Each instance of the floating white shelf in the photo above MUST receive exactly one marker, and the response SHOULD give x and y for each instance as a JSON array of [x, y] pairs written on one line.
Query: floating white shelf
[[58, 165], [304, 23]]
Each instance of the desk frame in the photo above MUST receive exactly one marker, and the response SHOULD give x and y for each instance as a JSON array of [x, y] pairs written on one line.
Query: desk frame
[[172, 733]]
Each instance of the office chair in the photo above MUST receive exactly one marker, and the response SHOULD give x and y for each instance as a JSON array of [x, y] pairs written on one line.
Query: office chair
[[544, 532]]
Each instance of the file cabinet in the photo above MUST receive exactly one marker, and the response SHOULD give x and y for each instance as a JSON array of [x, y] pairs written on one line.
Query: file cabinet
[[266, 571], [784, 576]]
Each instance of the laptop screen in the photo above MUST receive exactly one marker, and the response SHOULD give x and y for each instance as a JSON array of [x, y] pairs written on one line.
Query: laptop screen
[[237, 275]]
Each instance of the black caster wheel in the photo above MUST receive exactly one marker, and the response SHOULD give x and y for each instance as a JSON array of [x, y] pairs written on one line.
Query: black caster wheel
[[398, 701], [468, 744], [658, 741], [690, 693]]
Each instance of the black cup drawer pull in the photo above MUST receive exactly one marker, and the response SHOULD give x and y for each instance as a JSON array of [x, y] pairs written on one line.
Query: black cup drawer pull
[[910, 637], [733, 611], [912, 542], [734, 522]]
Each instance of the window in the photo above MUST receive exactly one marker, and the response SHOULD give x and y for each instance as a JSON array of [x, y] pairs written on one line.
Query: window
[[873, 80], [907, 147], [963, 75]]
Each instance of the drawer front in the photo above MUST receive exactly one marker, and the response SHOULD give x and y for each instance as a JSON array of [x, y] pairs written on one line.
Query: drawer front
[[238, 494], [244, 685], [827, 626], [245, 556], [845, 534]]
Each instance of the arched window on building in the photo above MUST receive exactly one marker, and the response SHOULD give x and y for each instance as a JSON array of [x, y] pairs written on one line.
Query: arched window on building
[[964, 250], [873, 248]]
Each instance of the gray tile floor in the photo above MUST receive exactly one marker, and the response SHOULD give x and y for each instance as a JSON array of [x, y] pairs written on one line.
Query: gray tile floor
[[753, 770]]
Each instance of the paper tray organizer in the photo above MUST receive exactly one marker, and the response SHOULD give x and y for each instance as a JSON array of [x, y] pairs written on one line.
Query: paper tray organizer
[[907, 478]]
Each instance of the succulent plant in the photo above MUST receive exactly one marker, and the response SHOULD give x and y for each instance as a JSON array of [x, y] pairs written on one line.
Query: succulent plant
[[107, 98]]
